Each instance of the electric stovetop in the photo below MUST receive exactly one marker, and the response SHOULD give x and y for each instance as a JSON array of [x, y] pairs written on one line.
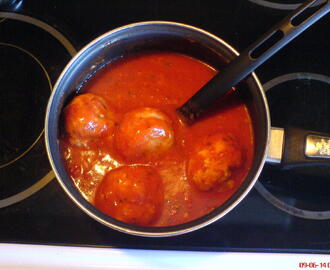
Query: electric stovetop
[[287, 211]]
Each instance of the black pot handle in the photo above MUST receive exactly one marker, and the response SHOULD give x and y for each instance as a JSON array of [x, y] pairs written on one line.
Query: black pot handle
[[295, 147]]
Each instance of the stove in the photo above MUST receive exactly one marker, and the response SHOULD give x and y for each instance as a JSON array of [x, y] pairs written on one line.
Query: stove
[[287, 211]]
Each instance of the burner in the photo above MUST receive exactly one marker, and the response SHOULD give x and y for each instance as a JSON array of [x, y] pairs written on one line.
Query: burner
[[302, 100], [28, 71], [283, 5], [26, 96]]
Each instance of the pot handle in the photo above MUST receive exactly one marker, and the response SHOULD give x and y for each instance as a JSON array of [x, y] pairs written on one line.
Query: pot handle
[[294, 147]]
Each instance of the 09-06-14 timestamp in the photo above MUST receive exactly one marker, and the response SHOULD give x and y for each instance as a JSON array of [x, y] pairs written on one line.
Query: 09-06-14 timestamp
[[314, 265]]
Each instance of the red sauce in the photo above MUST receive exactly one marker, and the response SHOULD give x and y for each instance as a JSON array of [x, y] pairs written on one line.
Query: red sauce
[[164, 81]]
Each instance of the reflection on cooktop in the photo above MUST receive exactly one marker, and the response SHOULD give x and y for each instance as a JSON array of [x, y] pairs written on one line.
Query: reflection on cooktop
[[13, 5]]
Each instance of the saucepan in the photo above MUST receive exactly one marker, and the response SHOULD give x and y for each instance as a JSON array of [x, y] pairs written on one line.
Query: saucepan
[[200, 44]]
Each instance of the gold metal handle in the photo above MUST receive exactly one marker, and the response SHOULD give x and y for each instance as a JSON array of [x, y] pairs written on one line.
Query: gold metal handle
[[317, 146]]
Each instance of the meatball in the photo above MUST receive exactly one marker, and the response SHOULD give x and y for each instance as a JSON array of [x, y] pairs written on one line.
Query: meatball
[[144, 134], [211, 162], [133, 194], [88, 117]]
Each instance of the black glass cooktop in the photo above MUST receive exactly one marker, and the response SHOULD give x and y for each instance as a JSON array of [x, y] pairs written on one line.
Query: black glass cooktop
[[287, 211]]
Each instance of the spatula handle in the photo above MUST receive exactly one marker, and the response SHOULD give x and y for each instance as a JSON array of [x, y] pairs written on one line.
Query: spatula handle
[[256, 54]]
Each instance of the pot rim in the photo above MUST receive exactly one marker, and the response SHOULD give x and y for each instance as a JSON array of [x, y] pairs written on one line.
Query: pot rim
[[131, 230]]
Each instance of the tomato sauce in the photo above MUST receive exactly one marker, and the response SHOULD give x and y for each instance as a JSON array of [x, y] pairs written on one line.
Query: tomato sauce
[[162, 80]]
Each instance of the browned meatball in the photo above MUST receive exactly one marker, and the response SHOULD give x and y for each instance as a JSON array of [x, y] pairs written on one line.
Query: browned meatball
[[212, 160], [144, 134], [132, 194], [87, 117]]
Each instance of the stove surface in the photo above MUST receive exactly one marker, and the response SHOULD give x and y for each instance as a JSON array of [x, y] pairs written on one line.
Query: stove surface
[[287, 211]]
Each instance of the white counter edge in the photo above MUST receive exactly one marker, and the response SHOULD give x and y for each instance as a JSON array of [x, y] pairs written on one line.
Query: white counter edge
[[19, 257]]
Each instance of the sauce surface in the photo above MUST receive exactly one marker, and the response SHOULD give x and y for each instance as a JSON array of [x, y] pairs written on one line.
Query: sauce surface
[[162, 80]]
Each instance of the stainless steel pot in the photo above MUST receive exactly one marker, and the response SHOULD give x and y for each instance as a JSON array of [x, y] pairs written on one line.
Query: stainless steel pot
[[148, 36]]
